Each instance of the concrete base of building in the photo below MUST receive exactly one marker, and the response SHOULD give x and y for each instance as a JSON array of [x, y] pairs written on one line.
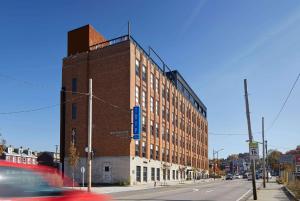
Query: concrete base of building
[[131, 170]]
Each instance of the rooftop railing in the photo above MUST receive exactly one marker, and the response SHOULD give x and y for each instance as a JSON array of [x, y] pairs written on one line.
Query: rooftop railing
[[109, 42]]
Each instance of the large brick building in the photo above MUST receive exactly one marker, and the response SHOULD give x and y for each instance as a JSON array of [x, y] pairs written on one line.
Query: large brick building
[[174, 137]]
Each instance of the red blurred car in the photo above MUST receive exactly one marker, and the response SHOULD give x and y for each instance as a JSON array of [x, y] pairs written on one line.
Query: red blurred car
[[19, 182]]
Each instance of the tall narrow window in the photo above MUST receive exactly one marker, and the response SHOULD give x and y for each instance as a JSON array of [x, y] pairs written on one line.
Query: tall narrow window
[[138, 173], [151, 104], [137, 67], [144, 73], [156, 152], [156, 130], [158, 174], [152, 80], [151, 127], [74, 111], [144, 99], [151, 151], [74, 85], [156, 84], [156, 107], [152, 174], [143, 149], [137, 148], [145, 173], [137, 95], [144, 123]]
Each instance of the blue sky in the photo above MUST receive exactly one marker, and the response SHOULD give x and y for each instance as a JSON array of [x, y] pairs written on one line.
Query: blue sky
[[214, 44]]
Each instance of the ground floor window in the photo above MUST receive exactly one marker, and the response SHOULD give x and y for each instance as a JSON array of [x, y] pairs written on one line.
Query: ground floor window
[[145, 174], [164, 174], [173, 174], [152, 174], [138, 173], [177, 174], [157, 174], [169, 172]]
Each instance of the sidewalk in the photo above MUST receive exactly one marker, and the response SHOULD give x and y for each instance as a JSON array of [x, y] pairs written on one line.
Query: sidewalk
[[116, 189], [272, 192]]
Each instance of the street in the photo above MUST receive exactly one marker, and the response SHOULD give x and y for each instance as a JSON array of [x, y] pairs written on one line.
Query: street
[[219, 190]]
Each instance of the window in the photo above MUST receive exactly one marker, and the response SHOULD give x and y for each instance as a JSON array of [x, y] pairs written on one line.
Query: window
[[137, 148], [163, 92], [157, 174], [151, 128], [144, 149], [151, 104], [156, 84], [169, 174], [156, 107], [163, 132], [163, 112], [168, 94], [151, 81], [144, 123], [173, 175], [138, 173], [145, 174], [144, 99], [156, 130], [144, 74], [167, 154], [157, 153], [151, 151], [177, 174], [137, 67], [106, 168], [74, 111], [152, 174], [74, 85], [164, 174], [137, 95], [163, 154]]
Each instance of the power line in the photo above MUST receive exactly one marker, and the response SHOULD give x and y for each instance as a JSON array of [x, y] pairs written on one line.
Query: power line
[[22, 81], [39, 108], [284, 103], [112, 105]]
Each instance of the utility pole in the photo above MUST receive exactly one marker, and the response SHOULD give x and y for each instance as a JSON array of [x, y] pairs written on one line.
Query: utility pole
[[264, 159], [56, 150], [250, 140], [267, 162], [90, 112], [214, 162]]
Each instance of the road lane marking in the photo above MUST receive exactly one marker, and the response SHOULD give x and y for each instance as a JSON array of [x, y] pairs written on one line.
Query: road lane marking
[[209, 191], [244, 195], [195, 189]]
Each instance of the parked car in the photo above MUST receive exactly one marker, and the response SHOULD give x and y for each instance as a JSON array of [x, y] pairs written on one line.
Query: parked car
[[245, 175], [229, 177], [249, 178], [20, 182]]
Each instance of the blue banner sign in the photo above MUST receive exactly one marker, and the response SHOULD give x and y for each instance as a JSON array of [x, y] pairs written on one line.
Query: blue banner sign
[[136, 122]]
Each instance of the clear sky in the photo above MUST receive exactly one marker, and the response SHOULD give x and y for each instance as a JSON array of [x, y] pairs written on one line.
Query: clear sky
[[214, 45]]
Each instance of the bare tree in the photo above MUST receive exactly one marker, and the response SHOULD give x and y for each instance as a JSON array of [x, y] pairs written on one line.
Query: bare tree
[[73, 159], [2, 145]]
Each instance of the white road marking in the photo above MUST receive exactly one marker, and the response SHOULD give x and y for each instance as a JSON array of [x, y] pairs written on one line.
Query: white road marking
[[244, 195], [195, 189], [209, 191]]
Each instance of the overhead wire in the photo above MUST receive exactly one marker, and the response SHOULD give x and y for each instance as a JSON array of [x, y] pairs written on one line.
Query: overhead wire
[[284, 103]]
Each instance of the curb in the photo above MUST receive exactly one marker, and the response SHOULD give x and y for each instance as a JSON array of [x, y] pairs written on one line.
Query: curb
[[289, 193]]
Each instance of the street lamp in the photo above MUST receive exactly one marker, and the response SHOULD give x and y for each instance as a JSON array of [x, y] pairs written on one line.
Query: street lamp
[[217, 152]]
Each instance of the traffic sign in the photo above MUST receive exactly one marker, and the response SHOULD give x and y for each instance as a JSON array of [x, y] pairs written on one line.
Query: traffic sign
[[82, 170], [136, 122]]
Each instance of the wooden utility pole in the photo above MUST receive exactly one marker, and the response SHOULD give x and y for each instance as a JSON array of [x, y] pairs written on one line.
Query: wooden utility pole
[[267, 162], [250, 140], [264, 159]]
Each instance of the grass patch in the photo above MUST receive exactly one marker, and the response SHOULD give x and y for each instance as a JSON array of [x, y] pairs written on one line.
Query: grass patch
[[294, 186]]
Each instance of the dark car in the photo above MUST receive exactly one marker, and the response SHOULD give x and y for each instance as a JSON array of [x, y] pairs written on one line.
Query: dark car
[[19, 182], [229, 177]]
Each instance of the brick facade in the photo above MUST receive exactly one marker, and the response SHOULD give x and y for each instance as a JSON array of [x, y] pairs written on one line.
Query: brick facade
[[118, 87]]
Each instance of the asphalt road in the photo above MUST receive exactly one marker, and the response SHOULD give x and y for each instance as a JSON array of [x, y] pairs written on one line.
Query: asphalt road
[[219, 190]]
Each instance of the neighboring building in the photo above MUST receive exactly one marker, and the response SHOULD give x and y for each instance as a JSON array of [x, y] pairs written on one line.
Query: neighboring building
[[48, 158], [174, 125], [19, 155]]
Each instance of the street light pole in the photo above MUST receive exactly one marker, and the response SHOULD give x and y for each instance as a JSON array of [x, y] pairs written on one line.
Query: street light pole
[[264, 161], [90, 110], [250, 140]]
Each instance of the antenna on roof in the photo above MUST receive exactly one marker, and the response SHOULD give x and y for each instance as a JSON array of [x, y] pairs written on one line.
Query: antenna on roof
[[128, 25]]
